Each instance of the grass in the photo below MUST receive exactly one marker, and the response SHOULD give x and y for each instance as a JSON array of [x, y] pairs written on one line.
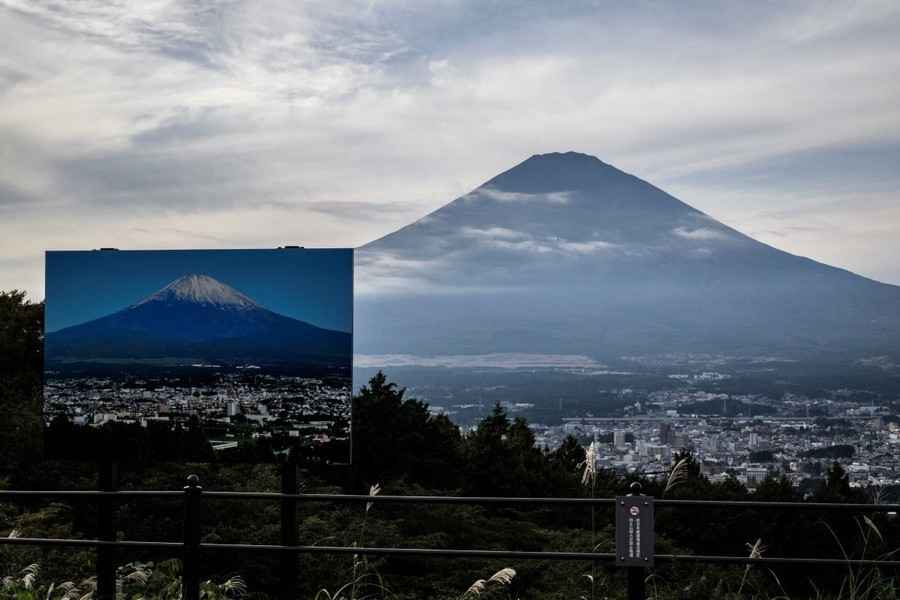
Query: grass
[[134, 581]]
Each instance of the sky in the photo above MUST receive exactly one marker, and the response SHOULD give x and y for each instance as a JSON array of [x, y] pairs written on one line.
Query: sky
[[231, 124], [315, 286]]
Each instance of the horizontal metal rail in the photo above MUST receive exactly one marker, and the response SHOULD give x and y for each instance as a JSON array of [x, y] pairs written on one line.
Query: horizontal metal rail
[[450, 552], [92, 493], [23, 541], [363, 498], [193, 496], [486, 500], [780, 505]]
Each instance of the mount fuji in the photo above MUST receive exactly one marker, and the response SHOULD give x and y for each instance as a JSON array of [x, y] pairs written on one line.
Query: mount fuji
[[564, 253], [196, 317]]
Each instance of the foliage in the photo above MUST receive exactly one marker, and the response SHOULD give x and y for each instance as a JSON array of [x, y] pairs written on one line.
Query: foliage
[[394, 438], [134, 581], [838, 451], [21, 364], [131, 442]]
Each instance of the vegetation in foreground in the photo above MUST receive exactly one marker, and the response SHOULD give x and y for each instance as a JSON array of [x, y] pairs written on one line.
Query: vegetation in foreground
[[399, 449]]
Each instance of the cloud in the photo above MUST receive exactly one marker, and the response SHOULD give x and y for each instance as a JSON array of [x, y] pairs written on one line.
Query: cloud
[[530, 246], [561, 197], [701, 233], [588, 247], [247, 122], [360, 210], [381, 272], [494, 233], [520, 241]]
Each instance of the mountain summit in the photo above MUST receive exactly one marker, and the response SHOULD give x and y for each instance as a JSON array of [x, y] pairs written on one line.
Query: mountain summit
[[201, 289], [565, 253]]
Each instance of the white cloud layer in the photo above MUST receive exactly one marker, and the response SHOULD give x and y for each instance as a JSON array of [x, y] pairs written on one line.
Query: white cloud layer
[[560, 197], [195, 123], [701, 233]]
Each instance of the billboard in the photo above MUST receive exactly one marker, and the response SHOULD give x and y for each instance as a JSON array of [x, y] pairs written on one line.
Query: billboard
[[248, 342]]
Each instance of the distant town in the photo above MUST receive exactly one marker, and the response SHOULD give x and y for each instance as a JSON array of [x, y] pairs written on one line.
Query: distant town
[[749, 437], [230, 406], [637, 428]]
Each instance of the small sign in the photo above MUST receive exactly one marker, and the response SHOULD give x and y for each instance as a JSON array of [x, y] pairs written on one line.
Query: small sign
[[635, 533]]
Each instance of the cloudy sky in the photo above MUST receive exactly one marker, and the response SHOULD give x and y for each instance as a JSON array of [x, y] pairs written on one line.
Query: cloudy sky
[[181, 124]]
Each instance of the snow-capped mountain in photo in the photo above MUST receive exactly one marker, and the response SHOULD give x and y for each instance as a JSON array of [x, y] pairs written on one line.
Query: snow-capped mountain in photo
[[197, 317], [201, 289]]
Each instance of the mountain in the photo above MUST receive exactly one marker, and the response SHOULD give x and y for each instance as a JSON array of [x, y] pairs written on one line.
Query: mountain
[[564, 253], [198, 318]]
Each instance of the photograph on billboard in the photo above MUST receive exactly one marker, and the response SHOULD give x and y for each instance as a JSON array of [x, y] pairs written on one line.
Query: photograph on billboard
[[248, 343]]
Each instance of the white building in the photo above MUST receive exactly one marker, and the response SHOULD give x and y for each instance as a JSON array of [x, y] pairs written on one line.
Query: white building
[[756, 474]]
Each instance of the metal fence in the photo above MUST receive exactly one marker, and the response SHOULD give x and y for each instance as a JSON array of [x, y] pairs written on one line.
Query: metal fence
[[191, 548]]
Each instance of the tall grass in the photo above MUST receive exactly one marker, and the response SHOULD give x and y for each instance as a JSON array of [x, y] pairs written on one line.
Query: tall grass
[[589, 480], [497, 582], [134, 581]]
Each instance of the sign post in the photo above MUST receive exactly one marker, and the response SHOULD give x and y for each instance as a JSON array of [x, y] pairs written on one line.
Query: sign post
[[635, 538]]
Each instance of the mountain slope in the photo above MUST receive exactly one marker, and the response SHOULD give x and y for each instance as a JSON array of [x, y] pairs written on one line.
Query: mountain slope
[[197, 317], [564, 253]]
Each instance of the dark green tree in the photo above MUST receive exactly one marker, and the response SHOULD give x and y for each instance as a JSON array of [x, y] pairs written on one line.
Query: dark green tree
[[569, 456], [21, 377], [775, 489], [837, 483], [488, 461], [397, 438], [503, 460]]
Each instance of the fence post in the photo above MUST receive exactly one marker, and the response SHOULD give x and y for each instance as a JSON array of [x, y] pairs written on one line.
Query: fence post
[[636, 586], [288, 529], [190, 571], [636, 575], [107, 477]]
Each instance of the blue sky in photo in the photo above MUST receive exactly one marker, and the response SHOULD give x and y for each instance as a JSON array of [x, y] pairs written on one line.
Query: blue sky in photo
[[315, 286]]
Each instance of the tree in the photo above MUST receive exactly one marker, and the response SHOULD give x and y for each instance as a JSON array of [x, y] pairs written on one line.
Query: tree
[[395, 438], [488, 458], [502, 460], [21, 376], [569, 455], [775, 489], [837, 482]]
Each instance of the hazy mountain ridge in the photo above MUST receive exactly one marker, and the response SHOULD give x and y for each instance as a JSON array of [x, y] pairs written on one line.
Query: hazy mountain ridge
[[566, 254]]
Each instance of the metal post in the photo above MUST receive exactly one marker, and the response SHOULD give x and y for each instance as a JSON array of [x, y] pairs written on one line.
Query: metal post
[[636, 587], [190, 572], [107, 477], [288, 530], [636, 575]]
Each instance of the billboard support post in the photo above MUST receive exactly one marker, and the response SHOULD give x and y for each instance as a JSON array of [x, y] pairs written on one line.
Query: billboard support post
[[190, 571], [289, 528], [107, 480]]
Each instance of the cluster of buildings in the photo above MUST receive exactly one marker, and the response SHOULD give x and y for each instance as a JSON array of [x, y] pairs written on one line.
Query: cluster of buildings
[[784, 440], [231, 404]]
